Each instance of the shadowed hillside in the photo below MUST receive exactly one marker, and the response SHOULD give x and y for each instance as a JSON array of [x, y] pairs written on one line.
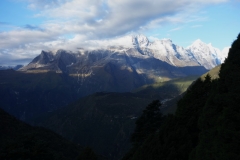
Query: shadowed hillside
[[22, 141], [27, 95], [206, 123]]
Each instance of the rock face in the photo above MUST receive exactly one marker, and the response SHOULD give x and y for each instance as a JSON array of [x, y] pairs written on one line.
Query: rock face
[[49, 61]]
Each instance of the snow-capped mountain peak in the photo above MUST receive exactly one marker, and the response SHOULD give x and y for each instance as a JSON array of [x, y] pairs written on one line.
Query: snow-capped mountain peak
[[197, 45], [140, 41], [165, 40], [205, 54], [199, 53]]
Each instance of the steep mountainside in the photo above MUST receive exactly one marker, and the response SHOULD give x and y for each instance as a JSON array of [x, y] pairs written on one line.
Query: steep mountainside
[[170, 106], [206, 124], [110, 70], [166, 90], [214, 73]]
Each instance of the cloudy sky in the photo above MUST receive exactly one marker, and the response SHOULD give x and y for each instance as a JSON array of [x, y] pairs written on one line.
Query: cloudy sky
[[29, 26]]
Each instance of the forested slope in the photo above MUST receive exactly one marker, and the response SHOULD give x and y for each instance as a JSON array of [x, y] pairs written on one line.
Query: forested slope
[[206, 123]]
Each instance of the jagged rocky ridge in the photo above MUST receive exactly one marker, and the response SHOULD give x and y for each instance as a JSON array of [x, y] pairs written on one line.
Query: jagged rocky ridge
[[11, 67], [128, 63]]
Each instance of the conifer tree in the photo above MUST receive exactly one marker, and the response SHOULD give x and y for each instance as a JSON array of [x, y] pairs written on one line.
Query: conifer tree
[[219, 122], [147, 123]]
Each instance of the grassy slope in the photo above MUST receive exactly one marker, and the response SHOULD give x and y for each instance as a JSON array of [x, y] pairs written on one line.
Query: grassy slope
[[170, 92], [166, 89], [171, 106], [214, 73]]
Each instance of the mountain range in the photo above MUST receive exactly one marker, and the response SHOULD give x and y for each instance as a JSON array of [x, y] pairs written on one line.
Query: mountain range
[[11, 67], [127, 63], [129, 50]]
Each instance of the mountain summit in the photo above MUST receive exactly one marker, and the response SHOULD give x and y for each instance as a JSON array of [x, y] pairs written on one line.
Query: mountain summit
[[140, 41], [205, 54]]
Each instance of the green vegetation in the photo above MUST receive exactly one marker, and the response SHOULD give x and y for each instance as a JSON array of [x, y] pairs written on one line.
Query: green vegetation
[[206, 123], [87, 154], [213, 73], [219, 121], [147, 123], [167, 89], [178, 134]]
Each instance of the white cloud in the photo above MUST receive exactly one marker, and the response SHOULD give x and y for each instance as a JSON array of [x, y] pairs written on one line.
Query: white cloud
[[92, 20], [107, 18], [16, 38]]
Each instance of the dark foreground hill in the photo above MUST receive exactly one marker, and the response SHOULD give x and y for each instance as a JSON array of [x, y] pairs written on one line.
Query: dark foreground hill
[[19, 140], [206, 124]]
